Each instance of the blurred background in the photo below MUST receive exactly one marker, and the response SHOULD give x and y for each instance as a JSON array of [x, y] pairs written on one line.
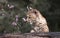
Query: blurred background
[[12, 12]]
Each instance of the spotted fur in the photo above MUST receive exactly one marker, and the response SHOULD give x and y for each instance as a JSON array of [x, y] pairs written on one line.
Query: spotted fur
[[39, 24]]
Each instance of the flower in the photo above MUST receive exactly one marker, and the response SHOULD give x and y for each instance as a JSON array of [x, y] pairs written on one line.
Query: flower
[[14, 23]]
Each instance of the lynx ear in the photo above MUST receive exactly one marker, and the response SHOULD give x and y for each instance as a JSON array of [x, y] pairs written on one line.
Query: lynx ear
[[29, 8], [36, 12]]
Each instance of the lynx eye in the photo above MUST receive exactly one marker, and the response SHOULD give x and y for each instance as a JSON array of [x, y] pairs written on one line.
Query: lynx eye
[[29, 17]]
